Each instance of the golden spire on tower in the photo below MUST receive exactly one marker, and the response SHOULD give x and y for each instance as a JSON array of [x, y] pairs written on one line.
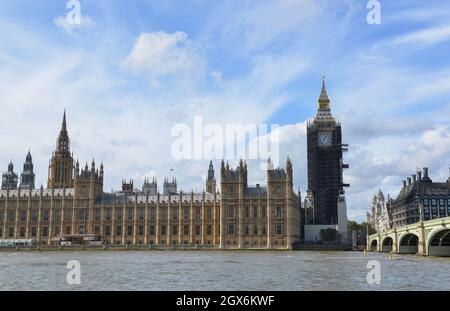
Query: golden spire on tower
[[324, 100]]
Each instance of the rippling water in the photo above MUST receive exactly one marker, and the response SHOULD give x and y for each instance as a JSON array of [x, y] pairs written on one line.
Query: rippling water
[[220, 270]]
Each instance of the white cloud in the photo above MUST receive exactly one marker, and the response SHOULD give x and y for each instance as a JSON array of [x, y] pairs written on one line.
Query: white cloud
[[113, 118], [424, 36], [127, 129], [376, 164], [432, 12], [395, 119], [162, 54], [383, 163], [438, 83], [86, 22], [216, 76], [258, 23]]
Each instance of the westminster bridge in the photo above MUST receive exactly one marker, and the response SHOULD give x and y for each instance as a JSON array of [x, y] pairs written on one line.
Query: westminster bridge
[[425, 238]]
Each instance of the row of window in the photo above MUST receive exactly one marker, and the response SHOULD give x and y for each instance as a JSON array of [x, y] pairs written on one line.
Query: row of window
[[232, 190], [279, 229], [107, 230], [279, 211], [246, 242], [35, 204], [83, 214], [152, 230], [22, 232], [435, 207]]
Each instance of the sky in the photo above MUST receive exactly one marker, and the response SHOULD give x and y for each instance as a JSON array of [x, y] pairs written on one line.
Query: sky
[[131, 70]]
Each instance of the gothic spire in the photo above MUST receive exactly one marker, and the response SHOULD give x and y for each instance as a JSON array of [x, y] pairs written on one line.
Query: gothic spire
[[324, 100], [210, 171], [27, 177], [64, 125], [62, 144]]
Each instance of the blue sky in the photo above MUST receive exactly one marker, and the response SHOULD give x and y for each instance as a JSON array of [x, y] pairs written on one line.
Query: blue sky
[[133, 69]]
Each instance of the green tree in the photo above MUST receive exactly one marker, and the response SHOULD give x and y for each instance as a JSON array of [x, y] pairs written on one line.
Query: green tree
[[329, 235], [353, 226], [358, 228]]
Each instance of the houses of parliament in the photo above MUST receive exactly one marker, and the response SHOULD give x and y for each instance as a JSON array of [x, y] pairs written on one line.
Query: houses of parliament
[[74, 207]]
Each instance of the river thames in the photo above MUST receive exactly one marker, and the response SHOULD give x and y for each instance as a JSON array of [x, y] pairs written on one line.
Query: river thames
[[220, 270]]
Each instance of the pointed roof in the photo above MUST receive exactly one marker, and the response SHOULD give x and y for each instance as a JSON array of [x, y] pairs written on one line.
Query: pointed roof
[[28, 158], [63, 137], [269, 164], [64, 124], [324, 111], [323, 94], [10, 166]]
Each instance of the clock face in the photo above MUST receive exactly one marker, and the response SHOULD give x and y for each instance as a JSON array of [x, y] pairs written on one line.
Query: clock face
[[324, 138]]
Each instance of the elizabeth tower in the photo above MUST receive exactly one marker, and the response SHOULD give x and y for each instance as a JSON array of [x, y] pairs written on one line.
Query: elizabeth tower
[[325, 166]]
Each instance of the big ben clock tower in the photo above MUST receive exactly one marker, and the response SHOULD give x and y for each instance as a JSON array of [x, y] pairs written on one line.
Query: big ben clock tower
[[325, 166]]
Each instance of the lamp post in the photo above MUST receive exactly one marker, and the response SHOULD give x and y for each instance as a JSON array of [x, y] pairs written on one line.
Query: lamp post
[[367, 230]]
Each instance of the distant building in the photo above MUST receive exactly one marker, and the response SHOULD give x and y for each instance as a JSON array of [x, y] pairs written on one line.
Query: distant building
[[127, 186], [381, 218], [61, 165], [325, 204], [74, 206], [259, 216], [9, 178], [170, 187], [150, 188], [210, 180], [325, 164], [419, 199], [27, 178]]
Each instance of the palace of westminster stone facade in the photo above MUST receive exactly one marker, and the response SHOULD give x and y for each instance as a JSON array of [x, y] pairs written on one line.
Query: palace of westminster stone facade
[[74, 206]]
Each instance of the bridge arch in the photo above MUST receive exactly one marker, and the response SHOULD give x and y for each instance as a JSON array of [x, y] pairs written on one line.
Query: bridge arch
[[408, 244], [386, 245], [439, 243], [374, 245]]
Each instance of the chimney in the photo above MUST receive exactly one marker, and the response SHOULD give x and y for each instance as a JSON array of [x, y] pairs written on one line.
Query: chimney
[[419, 174], [409, 181], [404, 183], [414, 178], [425, 172]]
